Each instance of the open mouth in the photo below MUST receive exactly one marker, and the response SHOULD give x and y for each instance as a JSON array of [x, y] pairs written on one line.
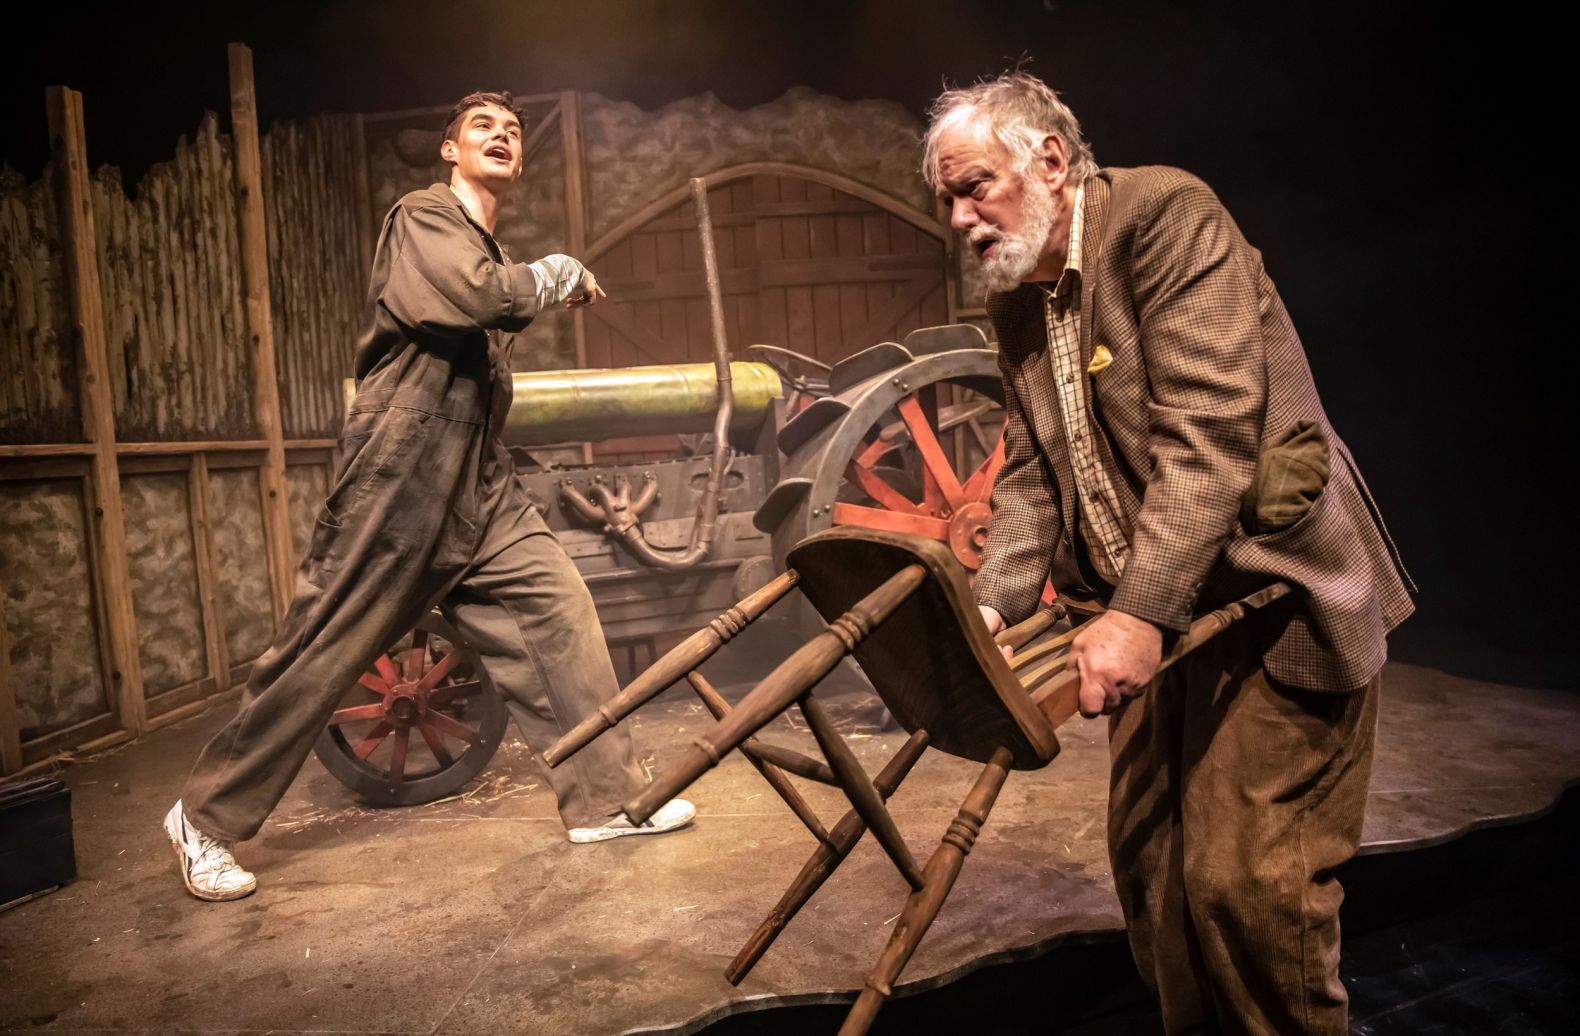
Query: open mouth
[[985, 246], [498, 151]]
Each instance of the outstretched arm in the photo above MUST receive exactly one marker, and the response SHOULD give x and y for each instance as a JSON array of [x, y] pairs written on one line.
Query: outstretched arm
[[443, 281]]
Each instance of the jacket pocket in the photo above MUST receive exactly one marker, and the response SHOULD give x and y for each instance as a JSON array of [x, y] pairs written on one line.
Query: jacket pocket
[[1290, 477], [317, 566]]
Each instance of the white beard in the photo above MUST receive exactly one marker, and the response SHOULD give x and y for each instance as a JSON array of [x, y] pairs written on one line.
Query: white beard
[[1016, 255]]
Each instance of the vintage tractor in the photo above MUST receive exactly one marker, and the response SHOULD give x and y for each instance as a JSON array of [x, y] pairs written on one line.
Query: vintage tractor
[[900, 436]]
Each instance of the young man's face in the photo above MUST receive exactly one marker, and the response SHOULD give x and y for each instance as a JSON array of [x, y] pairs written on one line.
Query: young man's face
[[486, 149]]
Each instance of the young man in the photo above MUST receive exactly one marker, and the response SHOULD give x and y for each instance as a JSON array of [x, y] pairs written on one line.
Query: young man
[[426, 511], [1166, 449]]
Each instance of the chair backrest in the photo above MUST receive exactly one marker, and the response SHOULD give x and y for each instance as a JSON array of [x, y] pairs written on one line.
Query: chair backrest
[[932, 661]]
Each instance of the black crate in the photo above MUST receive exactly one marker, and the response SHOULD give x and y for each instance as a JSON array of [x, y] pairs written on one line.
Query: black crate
[[36, 852]]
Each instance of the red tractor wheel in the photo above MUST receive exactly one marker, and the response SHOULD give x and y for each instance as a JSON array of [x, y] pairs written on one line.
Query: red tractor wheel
[[910, 440], [418, 725]]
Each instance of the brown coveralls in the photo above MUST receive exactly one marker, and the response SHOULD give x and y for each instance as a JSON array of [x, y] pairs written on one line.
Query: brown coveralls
[[426, 511]]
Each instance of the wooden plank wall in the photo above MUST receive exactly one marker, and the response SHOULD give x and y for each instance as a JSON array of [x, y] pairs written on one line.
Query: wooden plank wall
[[169, 271], [186, 446], [317, 276], [810, 260], [803, 265], [38, 371]]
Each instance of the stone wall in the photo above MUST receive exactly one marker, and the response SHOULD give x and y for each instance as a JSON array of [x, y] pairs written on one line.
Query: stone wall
[[635, 156], [50, 616], [162, 558]]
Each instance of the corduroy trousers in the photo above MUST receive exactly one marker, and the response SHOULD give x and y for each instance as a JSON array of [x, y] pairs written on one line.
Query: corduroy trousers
[[1232, 800]]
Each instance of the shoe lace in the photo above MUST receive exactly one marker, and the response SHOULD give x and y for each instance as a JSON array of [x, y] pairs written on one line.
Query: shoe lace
[[213, 857]]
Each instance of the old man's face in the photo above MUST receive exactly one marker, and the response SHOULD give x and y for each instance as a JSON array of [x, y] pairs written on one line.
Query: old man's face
[[1006, 218]]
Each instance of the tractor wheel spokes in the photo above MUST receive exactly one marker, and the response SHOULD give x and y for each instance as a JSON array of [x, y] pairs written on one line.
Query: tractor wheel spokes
[[435, 742], [357, 712], [980, 485], [935, 466], [398, 754], [451, 727], [446, 693], [879, 490], [894, 521], [874, 452], [374, 738], [387, 670], [431, 678], [417, 657]]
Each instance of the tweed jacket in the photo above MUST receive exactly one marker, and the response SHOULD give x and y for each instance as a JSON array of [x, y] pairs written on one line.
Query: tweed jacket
[[1207, 372]]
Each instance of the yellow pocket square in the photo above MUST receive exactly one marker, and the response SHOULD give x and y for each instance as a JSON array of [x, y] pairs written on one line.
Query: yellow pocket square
[[1101, 358]]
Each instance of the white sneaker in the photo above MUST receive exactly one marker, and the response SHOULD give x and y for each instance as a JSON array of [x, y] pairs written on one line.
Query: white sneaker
[[207, 866], [672, 815]]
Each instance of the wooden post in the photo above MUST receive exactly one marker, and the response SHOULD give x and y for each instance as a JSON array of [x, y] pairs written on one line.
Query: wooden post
[[260, 325], [575, 198], [68, 144], [209, 605], [10, 725], [570, 113], [952, 283]]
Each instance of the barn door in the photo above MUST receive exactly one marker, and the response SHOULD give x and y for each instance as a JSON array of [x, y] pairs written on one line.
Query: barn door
[[821, 269]]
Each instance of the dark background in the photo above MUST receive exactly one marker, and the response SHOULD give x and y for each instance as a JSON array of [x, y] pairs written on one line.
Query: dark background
[[1396, 164]]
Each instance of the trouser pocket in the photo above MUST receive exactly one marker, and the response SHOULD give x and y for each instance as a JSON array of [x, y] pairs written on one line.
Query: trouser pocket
[[378, 452]]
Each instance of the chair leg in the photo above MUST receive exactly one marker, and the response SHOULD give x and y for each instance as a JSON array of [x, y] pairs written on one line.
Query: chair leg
[[793, 677], [715, 703], [923, 905], [825, 859], [686, 656], [858, 788]]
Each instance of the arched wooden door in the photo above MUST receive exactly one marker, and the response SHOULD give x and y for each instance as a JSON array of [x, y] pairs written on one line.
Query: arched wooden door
[[808, 260]]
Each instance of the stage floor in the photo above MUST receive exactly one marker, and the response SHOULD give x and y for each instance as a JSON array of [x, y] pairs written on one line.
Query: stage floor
[[474, 915]]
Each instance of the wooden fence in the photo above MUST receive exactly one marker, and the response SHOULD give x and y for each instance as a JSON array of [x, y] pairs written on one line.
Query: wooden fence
[[170, 368]]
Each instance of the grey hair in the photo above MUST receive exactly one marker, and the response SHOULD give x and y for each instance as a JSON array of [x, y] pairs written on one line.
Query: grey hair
[[1021, 110]]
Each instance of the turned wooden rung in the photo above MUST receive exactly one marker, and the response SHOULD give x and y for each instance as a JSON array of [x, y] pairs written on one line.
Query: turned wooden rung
[[682, 659], [786, 684], [765, 761], [922, 908], [859, 789], [825, 859]]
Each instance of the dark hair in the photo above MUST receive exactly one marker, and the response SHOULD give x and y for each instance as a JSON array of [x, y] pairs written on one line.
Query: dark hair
[[476, 99]]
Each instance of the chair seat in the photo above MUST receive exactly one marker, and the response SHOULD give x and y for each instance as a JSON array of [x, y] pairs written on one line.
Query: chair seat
[[932, 661]]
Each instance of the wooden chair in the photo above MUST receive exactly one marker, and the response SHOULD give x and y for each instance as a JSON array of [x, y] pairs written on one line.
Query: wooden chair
[[901, 606]]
